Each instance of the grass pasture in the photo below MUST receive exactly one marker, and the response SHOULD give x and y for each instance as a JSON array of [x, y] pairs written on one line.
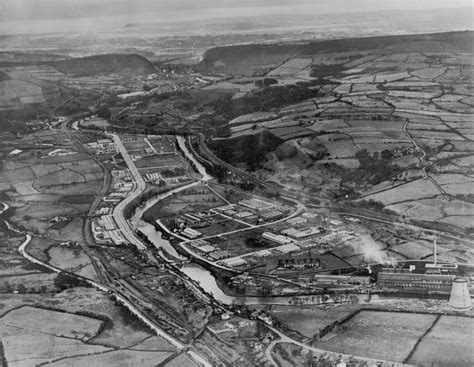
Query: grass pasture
[[187, 201], [18, 89], [52, 322], [307, 321], [291, 67], [29, 349], [119, 358], [384, 335], [181, 360], [74, 260], [423, 209], [414, 190], [236, 244], [95, 122], [450, 333], [221, 226]]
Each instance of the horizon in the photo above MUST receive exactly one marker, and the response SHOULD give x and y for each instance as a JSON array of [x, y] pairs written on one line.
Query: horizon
[[100, 22]]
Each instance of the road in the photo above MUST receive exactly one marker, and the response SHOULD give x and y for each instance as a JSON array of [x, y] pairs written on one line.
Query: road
[[286, 339], [425, 163], [120, 298], [129, 234], [138, 189]]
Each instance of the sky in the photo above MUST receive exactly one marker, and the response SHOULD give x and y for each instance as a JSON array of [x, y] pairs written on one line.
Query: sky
[[25, 10]]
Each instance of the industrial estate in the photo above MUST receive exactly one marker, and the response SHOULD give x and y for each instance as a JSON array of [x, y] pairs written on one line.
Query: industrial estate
[[305, 203]]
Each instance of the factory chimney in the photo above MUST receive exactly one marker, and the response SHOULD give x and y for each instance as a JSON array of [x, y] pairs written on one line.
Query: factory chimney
[[460, 299], [435, 253]]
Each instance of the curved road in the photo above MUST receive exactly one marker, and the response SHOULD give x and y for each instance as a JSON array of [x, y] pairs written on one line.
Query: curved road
[[138, 189], [423, 161]]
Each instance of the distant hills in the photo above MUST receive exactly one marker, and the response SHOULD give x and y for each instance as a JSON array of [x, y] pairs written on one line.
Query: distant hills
[[252, 58], [124, 64]]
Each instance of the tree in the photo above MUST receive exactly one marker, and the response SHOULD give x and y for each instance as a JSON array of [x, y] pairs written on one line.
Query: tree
[[21, 288], [386, 154], [65, 281]]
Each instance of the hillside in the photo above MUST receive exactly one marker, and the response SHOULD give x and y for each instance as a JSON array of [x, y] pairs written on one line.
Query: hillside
[[246, 59], [256, 59], [461, 41], [106, 64]]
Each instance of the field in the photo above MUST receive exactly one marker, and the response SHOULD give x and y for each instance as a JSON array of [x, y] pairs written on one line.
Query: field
[[74, 260], [115, 358], [221, 226], [363, 103], [384, 335], [308, 321], [414, 190], [30, 335], [96, 122], [450, 333], [52, 322], [239, 244], [192, 200], [50, 193], [181, 360], [294, 67]]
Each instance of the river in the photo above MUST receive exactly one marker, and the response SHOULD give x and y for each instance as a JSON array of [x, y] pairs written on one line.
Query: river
[[202, 171]]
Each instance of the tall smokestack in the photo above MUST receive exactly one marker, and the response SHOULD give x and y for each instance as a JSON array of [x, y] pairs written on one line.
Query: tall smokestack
[[435, 253]]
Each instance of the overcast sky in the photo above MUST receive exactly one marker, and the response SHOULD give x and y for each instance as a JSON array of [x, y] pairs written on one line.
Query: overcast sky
[[11, 10]]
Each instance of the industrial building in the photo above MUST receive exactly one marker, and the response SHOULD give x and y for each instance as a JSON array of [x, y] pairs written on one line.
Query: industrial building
[[303, 233], [257, 205], [108, 222], [281, 240], [404, 279], [191, 233], [272, 215]]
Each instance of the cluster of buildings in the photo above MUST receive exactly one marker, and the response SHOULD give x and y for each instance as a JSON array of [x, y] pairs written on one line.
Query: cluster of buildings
[[298, 234], [425, 278], [105, 231], [254, 211], [104, 227], [210, 252], [422, 277], [102, 146]]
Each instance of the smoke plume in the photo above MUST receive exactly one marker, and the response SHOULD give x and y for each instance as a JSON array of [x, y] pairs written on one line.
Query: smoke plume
[[373, 251]]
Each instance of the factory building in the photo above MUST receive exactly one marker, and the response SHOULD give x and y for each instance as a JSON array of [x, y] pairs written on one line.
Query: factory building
[[281, 240], [257, 205], [404, 279], [191, 233]]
